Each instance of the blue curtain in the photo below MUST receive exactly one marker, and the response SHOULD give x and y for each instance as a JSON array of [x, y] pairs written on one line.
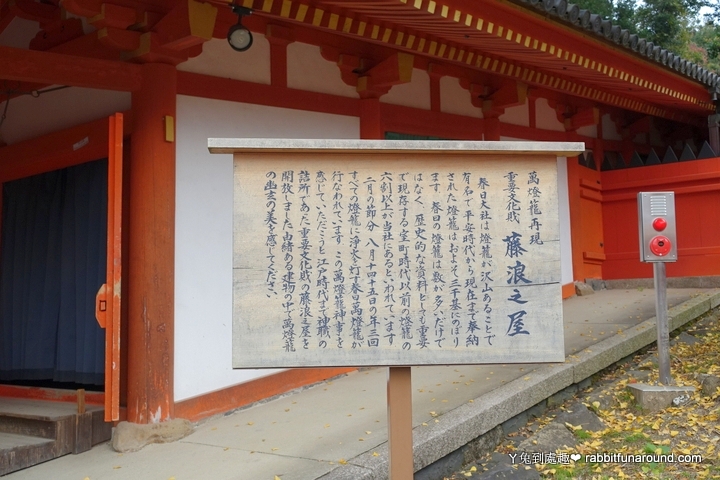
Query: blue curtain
[[52, 262]]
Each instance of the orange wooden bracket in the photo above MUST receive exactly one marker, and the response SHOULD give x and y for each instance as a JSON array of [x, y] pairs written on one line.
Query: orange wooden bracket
[[114, 16], [189, 24], [119, 39], [583, 118], [478, 92], [349, 65], [511, 94], [394, 70]]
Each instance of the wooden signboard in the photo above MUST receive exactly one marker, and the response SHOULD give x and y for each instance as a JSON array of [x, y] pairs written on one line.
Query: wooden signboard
[[369, 253]]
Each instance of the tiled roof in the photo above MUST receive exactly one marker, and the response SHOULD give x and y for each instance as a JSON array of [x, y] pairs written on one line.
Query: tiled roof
[[583, 19]]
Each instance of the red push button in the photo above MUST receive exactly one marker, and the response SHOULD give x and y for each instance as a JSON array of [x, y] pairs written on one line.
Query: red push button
[[659, 224], [660, 245]]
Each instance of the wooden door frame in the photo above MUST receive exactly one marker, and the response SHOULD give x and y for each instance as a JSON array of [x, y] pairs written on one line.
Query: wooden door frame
[[65, 148]]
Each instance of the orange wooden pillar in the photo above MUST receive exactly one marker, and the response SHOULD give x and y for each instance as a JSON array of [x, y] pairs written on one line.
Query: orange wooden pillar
[[151, 250], [492, 128], [371, 119]]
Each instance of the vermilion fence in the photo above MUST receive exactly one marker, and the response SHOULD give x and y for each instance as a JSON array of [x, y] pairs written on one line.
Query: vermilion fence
[[696, 185]]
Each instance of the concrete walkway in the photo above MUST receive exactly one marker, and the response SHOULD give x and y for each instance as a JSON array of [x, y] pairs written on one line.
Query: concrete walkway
[[337, 429]]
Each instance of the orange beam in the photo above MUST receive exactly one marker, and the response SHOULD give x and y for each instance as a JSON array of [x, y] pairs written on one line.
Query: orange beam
[[205, 86], [65, 148], [371, 119], [54, 68], [237, 396], [50, 394], [151, 264]]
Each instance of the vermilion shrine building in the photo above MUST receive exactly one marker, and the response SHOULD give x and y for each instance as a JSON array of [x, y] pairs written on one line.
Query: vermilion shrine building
[[374, 69]]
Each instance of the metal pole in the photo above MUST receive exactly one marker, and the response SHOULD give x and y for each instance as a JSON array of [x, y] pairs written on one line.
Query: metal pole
[[399, 396], [663, 330]]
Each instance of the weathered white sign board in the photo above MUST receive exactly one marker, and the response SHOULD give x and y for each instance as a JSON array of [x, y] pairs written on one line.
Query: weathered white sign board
[[359, 253]]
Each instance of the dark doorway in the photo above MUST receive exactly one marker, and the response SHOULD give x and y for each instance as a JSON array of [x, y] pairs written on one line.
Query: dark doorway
[[52, 262]]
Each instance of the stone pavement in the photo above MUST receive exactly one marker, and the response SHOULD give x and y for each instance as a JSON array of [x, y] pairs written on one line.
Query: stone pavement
[[337, 429]]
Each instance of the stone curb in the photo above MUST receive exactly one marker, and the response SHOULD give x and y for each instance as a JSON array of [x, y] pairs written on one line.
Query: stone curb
[[465, 423]]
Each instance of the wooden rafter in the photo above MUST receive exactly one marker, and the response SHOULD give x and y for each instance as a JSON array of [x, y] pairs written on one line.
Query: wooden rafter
[[465, 33], [53, 68]]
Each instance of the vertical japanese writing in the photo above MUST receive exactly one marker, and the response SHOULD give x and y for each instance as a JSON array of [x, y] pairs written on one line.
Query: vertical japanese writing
[[513, 203], [305, 263], [468, 250], [288, 278], [338, 272], [420, 239], [516, 275], [436, 243], [322, 281], [354, 211], [403, 241], [534, 208], [387, 209], [486, 258], [401, 259], [452, 213], [270, 190], [372, 271]]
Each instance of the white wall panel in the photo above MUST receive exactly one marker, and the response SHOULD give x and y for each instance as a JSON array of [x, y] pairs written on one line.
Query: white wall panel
[[30, 117], [545, 117], [455, 99], [516, 116], [19, 33], [203, 228], [308, 70], [414, 94], [219, 60], [609, 129], [589, 131]]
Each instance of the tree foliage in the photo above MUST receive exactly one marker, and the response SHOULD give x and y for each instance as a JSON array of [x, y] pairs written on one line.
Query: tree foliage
[[676, 25]]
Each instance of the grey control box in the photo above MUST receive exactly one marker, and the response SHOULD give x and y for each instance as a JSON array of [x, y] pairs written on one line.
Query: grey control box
[[656, 221]]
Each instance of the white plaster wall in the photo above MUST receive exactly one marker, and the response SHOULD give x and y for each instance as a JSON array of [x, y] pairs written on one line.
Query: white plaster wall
[[414, 94], [19, 33], [219, 60], [516, 115], [589, 131], [545, 117], [455, 99], [308, 70], [609, 129], [30, 117], [203, 228]]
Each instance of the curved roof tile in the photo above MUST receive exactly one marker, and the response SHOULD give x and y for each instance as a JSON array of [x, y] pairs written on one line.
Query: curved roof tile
[[582, 18]]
